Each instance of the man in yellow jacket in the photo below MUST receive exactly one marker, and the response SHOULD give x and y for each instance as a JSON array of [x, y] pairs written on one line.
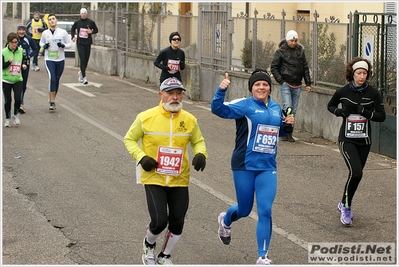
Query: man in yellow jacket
[[158, 140], [35, 27]]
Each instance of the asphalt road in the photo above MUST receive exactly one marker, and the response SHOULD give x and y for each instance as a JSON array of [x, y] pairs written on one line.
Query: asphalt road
[[70, 196]]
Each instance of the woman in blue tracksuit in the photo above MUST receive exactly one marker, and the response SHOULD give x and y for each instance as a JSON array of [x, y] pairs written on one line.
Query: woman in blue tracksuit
[[259, 123]]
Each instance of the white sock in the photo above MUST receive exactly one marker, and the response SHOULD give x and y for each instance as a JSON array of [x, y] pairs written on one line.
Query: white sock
[[151, 238], [170, 242]]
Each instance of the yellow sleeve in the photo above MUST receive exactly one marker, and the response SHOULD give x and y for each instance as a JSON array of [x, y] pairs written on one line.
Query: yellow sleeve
[[198, 141], [132, 140]]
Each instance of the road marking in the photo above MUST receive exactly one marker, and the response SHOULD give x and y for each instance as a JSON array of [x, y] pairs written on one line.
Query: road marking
[[74, 86], [92, 122], [303, 244], [293, 238], [280, 231]]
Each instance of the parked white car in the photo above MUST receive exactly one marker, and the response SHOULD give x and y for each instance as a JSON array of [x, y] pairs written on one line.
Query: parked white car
[[67, 25]]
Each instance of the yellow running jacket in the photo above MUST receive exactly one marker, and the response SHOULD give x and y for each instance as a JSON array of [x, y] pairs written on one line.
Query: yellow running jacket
[[157, 127]]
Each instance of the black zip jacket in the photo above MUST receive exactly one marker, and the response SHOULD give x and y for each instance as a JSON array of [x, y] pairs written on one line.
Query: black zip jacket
[[83, 23], [370, 100], [289, 65], [164, 57]]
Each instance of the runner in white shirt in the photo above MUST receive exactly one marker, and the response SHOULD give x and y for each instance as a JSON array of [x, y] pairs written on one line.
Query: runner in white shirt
[[54, 41]]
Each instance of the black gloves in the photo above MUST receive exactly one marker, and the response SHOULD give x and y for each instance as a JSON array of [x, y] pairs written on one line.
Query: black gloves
[[61, 45], [199, 162], [148, 163], [47, 45], [288, 128], [362, 111], [342, 112]]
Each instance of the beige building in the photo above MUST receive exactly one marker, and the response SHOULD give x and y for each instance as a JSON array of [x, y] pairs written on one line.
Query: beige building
[[339, 10]]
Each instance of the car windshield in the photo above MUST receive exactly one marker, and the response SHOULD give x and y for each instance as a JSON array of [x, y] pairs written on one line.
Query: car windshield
[[65, 26]]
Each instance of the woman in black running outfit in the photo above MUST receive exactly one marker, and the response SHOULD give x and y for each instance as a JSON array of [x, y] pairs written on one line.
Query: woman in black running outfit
[[172, 59], [360, 104]]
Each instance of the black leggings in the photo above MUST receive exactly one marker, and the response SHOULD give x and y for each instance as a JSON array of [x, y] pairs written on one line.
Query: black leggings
[[25, 74], [160, 199], [34, 61], [84, 55], [18, 95], [355, 157]]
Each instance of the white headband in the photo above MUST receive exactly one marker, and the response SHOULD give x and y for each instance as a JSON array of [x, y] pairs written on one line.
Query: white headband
[[360, 64]]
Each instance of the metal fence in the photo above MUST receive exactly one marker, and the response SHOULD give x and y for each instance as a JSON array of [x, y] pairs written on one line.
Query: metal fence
[[376, 37], [325, 43], [217, 40]]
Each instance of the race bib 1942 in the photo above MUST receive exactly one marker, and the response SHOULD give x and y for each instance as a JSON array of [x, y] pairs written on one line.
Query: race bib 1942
[[169, 160]]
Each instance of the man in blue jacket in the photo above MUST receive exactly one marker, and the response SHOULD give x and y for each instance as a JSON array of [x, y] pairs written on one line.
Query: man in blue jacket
[[30, 50]]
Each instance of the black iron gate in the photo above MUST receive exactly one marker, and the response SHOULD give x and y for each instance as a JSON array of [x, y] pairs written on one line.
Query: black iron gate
[[375, 38]]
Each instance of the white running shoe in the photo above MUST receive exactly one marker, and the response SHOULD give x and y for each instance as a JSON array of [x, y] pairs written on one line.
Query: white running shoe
[[264, 260], [224, 231], [36, 68], [16, 120], [80, 77], [85, 80], [148, 254], [8, 123], [164, 261]]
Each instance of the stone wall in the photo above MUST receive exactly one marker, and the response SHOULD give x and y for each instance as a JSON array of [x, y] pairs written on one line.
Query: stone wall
[[312, 114]]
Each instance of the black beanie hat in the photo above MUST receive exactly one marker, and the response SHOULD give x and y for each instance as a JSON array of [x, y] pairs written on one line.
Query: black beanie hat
[[259, 75], [173, 34]]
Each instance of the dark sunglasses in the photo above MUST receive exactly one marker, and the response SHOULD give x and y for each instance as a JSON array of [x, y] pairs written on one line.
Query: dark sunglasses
[[176, 39]]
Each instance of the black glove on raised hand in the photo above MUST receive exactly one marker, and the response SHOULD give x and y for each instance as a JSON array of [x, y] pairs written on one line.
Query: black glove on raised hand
[[148, 163], [47, 45], [342, 112], [199, 162], [61, 45]]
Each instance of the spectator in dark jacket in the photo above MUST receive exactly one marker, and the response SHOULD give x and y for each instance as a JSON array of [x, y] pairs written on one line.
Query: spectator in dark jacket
[[288, 67]]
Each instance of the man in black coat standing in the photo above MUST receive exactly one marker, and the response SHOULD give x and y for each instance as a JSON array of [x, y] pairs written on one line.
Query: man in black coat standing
[[288, 67]]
